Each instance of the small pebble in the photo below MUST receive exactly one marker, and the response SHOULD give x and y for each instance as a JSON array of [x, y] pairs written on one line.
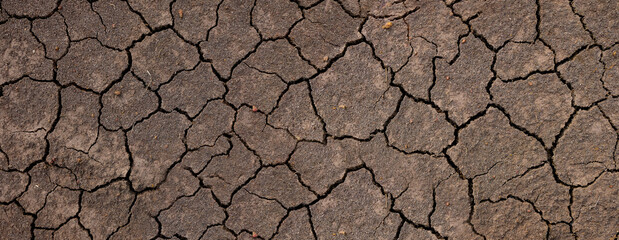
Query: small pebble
[[387, 25], [447, 78], [180, 13], [326, 58], [254, 109], [254, 235], [463, 40], [447, 204], [530, 83], [116, 92]]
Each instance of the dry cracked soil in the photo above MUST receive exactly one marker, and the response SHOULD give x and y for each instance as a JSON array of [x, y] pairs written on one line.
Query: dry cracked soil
[[309, 119]]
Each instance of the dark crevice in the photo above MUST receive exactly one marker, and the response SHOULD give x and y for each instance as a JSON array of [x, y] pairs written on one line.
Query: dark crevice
[[309, 216], [325, 135], [582, 22]]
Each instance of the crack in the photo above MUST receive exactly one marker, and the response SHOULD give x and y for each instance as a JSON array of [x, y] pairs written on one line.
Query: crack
[[516, 126], [309, 215], [268, 199], [17, 16], [524, 173], [325, 135], [44, 46], [135, 198], [434, 198], [550, 150], [415, 225], [535, 209], [309, 6], [208, 32], [77, 215], [608, 91], [315, 109], [538, 18], [472, 211], [279, 224], [226, 153], [582, 22], [528, 75], [172, 204], [348, 12], [100, 18]]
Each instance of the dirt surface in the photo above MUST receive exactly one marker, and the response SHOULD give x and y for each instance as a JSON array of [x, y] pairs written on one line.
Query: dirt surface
[[309, 119]]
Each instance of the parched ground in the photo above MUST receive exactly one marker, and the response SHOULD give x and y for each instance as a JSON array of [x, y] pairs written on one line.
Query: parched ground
[[309, 119]]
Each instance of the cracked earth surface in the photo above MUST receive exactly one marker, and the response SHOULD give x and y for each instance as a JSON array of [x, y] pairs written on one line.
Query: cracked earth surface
[[309, 119]]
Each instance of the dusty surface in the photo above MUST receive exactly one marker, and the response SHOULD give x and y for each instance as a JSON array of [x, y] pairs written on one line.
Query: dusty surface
[[309, 119]]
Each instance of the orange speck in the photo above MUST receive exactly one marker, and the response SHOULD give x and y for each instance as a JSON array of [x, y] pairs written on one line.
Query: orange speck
[[387, 25]]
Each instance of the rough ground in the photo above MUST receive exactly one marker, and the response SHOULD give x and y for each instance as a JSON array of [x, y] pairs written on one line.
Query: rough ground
[[309, 119]]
